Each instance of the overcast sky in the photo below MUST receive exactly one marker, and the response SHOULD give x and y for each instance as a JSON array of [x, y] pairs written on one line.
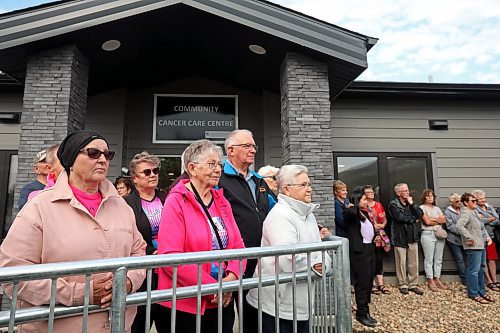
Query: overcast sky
[[451, 40]]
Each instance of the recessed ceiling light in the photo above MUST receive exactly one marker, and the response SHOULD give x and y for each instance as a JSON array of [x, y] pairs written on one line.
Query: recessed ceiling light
[[111, 45], [257, 49]]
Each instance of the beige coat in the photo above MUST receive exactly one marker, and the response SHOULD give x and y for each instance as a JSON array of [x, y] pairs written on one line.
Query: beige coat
[[55, 227]]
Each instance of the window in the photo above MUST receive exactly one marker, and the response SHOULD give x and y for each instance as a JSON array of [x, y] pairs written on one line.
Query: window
[[384, 170], [170, 169], [8, 171]]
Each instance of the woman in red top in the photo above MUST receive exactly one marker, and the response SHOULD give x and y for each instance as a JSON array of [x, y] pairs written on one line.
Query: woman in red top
[[379, 220]]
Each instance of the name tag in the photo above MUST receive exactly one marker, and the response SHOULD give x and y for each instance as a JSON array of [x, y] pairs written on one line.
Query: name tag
[[262, 189]]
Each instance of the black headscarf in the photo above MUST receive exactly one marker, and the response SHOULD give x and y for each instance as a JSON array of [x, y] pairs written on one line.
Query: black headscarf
[[72, 144]]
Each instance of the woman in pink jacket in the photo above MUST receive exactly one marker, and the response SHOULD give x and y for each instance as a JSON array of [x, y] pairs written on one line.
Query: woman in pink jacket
[[82, 217], [197, 217]]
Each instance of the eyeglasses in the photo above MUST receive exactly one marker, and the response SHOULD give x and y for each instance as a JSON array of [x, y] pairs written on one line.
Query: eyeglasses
[[95, 153], [472, 200], [211, 165], [247, 146], [456, 201], [147, 172], [271, 177], [303, 185]]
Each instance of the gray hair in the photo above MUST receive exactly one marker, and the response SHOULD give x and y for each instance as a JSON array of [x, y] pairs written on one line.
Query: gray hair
[[478, 192], [51, 155], [398, 186], [268, 170], [198, 149], [142, 157], [230, 139], [454, 197], [287, 174]]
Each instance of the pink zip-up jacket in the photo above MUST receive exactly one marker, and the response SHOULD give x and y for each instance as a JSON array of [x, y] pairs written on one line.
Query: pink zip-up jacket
[[185, 227], [55, 227]]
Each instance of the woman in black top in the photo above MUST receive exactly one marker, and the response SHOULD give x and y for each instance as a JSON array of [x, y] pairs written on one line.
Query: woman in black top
[[361, 234], [147, 203]]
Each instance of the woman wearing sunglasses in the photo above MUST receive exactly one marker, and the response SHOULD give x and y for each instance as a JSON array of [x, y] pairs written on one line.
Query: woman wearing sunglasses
[[147, 203], [474, 238], [77, 219]]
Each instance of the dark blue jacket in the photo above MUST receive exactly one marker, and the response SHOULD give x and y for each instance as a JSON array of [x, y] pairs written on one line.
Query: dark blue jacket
[[340, 229], [248, 213]]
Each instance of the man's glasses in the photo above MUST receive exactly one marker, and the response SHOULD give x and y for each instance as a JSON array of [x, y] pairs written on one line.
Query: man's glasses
[[211, 165], [270, 177], [95, 153], [302, 185], [247, 146], [472, 200], [147, 172]]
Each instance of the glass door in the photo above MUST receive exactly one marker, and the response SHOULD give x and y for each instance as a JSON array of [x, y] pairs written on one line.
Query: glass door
[[8, 171]]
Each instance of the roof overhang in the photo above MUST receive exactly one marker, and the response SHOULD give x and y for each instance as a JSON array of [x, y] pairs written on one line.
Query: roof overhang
[[30, 30]]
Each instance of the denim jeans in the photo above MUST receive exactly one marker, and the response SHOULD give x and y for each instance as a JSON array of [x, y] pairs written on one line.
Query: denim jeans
[[476, 260], [459, 255]]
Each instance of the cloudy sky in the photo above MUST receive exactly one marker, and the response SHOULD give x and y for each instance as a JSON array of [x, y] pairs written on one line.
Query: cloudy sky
[[447, 40]]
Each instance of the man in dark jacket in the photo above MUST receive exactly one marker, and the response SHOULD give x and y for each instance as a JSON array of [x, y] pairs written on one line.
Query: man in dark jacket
[[405, 227], [250, 198]]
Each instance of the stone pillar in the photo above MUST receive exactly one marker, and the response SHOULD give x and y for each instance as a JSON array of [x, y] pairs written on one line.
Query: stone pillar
[[54, 104], [306, 126]]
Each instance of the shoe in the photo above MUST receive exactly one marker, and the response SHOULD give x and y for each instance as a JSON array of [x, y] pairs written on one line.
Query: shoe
[[480, 300], [366, 321], [375, 290], [404, 291], [417, 291], [372, 319], [493, 287], [384, 290], [440, 284], [430, 284], [488, 298]]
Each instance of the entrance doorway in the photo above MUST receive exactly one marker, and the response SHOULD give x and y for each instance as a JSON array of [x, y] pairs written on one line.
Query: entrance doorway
[[170, 169], [8, 167]]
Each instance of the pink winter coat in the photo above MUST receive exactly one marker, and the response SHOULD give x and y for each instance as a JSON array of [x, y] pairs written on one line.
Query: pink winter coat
[[55, 227], [184, 227]]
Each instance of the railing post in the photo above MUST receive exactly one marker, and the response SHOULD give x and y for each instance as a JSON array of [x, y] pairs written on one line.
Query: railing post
[[118, 303], [343, 315]]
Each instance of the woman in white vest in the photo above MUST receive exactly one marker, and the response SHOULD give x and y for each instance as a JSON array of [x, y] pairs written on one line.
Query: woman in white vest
[[290, 222]]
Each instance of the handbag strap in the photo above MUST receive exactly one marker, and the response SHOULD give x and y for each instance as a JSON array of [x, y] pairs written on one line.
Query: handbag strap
[[205, 209]]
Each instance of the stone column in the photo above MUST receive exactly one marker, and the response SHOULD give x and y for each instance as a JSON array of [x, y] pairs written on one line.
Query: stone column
[[54, 104], [306, 126]]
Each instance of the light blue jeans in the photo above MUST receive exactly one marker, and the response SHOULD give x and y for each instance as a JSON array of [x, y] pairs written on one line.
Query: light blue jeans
[[433, 249], [476, 260]]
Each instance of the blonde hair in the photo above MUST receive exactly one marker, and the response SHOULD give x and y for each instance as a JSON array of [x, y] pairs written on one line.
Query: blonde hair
[[140, 158]]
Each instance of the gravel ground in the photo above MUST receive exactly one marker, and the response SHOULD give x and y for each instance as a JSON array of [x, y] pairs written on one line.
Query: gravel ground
[[444, 311]]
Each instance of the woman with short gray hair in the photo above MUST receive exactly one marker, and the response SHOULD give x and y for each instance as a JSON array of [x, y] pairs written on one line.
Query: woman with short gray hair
[[147, 203], [290, 222], [197, 217], [454, 240], [269, 172]]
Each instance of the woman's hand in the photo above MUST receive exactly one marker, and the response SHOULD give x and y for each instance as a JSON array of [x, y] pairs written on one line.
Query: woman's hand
[[324, 232], [488, 241], [226, 297], [469, 242], [318, 268], [103, 290]]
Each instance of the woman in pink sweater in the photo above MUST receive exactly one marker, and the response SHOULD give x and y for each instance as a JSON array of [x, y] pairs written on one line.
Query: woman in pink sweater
[[197, 217]]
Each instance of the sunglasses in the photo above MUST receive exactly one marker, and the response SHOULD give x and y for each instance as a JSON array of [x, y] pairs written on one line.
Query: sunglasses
[[95, 153], [473, 200], [147, 172], [272, 177]]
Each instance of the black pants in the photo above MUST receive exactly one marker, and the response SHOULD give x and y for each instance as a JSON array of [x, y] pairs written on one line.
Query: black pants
[[157, 312], [379, 260], [363, 268], [286, 326], [186, 322]]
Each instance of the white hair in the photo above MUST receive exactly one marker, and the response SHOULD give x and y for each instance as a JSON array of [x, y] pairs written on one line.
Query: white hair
[[268, 170], [454, 197], [287, 174], [397, 187], [230, 139], [477, 193], [199, 149]]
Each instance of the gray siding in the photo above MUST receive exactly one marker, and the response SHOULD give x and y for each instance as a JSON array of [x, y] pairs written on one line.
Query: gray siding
[[10, 133], [467, 155], [106, 115]]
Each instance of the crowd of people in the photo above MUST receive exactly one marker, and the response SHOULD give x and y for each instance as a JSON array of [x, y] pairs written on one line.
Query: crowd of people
[[219, 205]]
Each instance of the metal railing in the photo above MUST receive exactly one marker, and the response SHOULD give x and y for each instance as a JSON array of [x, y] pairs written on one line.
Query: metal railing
[[329, 298]]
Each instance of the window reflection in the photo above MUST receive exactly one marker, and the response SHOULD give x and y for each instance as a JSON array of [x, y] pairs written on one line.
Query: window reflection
[[358, 171]]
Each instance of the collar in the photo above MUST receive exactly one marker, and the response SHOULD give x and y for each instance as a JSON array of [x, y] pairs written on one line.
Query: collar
[[230, 169], [62, 190], [449, 208], [300, 207]]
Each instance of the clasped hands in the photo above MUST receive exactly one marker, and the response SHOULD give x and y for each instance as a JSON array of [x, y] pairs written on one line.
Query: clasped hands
[[103, 289]]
